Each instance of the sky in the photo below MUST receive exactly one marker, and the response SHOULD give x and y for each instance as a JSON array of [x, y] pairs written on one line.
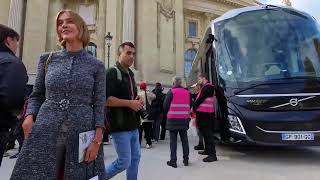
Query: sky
[[311, 7]]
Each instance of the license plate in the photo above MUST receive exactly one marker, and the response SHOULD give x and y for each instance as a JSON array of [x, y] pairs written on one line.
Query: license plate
[[297, 136]]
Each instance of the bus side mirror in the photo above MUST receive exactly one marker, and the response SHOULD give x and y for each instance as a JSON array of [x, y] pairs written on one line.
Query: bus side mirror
[[210, 39]]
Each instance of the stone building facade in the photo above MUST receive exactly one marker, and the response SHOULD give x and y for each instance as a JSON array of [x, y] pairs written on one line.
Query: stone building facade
[[167, 33]]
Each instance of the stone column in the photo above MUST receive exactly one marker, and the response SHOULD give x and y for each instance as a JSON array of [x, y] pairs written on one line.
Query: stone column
[[35, 35], [179, 28], [101, 30], [128, 31], [114, 26], [15, 15], [51, 40], [4, 11], [128, 20], [15, 20]]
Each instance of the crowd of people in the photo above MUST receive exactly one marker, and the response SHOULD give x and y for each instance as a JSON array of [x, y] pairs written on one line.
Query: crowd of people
[[74, 93]]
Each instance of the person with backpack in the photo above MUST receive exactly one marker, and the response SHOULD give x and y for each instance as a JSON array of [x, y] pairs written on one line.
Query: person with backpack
[[177, 104], [158, 113], [68, 99], [146, 122], [124, 111], [13, 81]]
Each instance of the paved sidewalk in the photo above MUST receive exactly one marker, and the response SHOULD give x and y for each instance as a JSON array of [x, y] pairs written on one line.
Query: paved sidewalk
[[241, 163]]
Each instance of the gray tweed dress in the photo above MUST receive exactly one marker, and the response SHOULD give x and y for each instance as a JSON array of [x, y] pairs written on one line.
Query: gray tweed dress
[[66, 100]]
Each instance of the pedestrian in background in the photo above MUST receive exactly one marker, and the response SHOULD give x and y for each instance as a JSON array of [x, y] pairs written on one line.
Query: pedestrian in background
[[177, 104], [13, 81], [158, 113], [146, 123], [68, 98]]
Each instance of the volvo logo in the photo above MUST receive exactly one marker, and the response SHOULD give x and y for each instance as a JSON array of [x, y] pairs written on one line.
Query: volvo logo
[[294, 102]]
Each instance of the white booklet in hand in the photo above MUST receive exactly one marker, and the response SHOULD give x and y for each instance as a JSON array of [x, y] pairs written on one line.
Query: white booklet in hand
[[85, 139], [95, 178]]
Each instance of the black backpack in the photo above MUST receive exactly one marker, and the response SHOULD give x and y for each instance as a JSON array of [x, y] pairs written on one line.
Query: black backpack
[[156, 107]]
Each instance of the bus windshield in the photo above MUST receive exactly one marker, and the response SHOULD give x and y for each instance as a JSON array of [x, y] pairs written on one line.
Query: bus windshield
[[267, 45]]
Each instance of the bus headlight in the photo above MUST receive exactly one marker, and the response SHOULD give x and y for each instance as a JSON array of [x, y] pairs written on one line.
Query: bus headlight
[[235, 124]]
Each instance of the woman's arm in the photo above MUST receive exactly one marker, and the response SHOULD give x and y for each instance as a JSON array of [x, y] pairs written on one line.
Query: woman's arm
[[36, 98], [99, 99]]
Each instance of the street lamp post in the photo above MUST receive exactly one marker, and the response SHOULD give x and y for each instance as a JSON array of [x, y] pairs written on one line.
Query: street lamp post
[[108, 41]]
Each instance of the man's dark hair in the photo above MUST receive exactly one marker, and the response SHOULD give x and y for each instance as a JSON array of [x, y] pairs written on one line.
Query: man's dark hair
[[7, 32], [158, 85], [121, 47], [204, 75]]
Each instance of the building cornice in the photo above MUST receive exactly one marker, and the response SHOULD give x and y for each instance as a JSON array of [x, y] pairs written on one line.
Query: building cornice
[[229, 2], [237, 3]]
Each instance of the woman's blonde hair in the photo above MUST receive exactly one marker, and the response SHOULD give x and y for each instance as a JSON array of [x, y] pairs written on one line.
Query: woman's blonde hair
[[79, 22]]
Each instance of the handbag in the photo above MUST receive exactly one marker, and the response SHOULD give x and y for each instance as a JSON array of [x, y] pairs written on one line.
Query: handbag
[[48, 61]]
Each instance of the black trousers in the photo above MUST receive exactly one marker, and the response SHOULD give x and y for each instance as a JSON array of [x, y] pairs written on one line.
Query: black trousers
[[173, 144], [206, 124], [156, 127], [4, 133], [147, 128], [16, 133], [163, 128]]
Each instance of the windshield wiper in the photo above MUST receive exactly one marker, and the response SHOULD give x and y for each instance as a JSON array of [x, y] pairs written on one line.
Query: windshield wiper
[[271, 83], [298, 77], [253, 86]]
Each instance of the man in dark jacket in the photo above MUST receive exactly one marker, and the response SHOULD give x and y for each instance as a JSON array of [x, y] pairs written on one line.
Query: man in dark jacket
[[157, 113], [205, 116], [13, 80], [177, 104], [124, 105]]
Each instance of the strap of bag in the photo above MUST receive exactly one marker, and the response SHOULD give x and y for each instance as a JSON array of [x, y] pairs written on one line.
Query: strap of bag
[[5, 60], [147, 102], [119, 75], [49, 60], [131, 87]]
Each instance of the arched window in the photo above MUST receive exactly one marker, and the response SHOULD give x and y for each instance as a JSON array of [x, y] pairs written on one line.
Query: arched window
[[189, 56], [92, 49]]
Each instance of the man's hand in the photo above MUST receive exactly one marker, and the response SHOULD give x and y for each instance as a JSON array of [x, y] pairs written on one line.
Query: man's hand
[[27, 125], [135, 105]]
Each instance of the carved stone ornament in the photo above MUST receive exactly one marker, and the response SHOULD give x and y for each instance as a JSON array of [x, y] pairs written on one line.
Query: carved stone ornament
[[287, 2], [166, 8]]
